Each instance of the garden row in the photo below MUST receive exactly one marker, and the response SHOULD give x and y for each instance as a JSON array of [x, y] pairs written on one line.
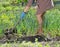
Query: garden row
[[29, 25]]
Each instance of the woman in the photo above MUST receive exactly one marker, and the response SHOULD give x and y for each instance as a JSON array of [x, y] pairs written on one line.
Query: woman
[[42, 7]]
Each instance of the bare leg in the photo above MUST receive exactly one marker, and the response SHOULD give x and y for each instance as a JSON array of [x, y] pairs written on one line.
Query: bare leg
[[40, 21]]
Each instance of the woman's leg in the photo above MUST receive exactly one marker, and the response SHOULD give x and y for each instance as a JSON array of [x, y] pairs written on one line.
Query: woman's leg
[[40, 21]]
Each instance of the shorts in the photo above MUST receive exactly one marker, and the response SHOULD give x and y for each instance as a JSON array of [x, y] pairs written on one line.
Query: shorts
[[44, 5]]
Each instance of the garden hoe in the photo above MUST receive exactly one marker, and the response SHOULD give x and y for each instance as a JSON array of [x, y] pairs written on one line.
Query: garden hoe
[[13, 29]]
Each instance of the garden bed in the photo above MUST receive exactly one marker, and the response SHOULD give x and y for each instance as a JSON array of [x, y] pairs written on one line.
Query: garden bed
[[14, 38]]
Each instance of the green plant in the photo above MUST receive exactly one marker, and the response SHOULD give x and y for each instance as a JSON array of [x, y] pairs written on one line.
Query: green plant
[[29, 25], [52, 22]]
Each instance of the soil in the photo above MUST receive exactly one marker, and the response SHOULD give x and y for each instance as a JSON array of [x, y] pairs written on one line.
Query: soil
[[14, 38], [10, 36]]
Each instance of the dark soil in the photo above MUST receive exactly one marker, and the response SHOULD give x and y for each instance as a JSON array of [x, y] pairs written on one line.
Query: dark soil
[[10, 35], [14, 38]]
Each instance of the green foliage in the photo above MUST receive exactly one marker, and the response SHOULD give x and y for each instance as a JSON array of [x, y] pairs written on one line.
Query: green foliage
[[2, 8], [29, 25], [8, 8], [52, 22], [22, 0], [9, 16], [29, 44], [6, 21]]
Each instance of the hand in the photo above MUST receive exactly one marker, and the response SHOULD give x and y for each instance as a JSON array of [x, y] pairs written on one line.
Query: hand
[[22, 15]]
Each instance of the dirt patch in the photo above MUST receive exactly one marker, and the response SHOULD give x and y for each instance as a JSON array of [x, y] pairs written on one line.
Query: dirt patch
[[14, 38]]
